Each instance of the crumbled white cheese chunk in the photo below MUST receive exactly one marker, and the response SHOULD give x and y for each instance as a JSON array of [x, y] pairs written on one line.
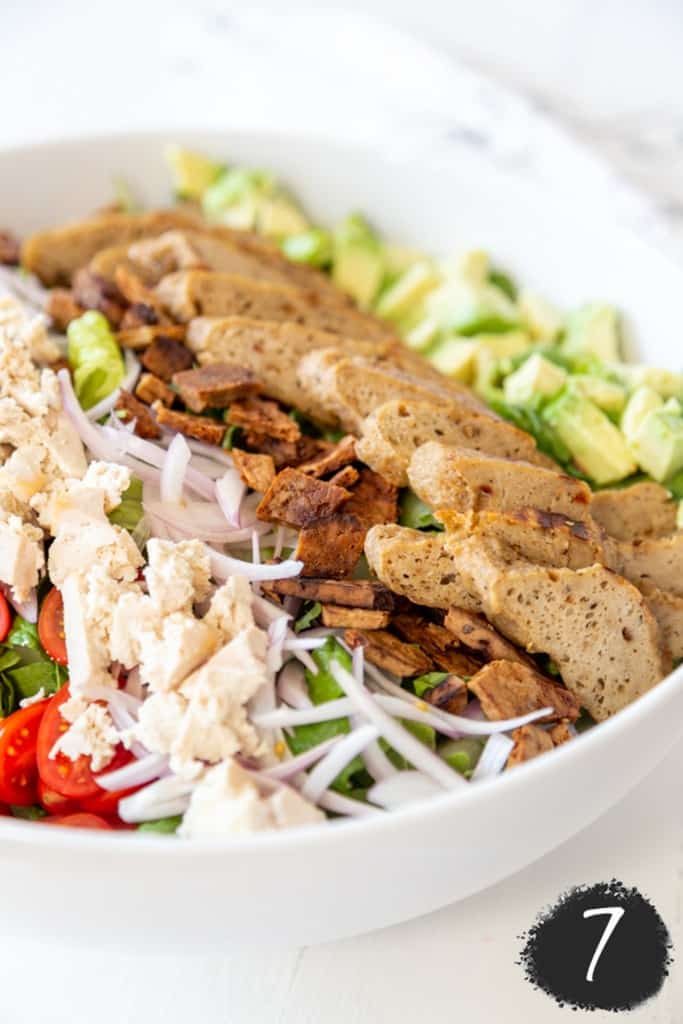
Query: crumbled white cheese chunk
[[230, 610], [109, 478], [21, 556], [177, 574], [91, 733], [227, 801]]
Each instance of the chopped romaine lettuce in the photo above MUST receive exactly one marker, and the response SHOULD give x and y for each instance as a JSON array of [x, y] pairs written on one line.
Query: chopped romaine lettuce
[[31, 813], [313, 247], [95, 358], [130, 511], [415, 514], [308, 617], [23, 634], [462, 754], [422, 684], [164, 826]]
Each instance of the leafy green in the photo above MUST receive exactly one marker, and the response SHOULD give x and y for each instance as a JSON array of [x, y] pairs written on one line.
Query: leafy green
[[32, 813], [231, 437], [29, 679], [415, 514], [123, 195], [25, 668], [308, 617], [23, 634], [95, 358], [675, 485], [462, 754], [422, 684], [332, 435], [313, 247], [306, 425], [504, 282], [163, 826], [529, 419], [129, 512], [322, 686]]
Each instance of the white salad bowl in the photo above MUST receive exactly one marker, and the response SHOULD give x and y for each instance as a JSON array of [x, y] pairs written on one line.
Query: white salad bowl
[[324, 882]]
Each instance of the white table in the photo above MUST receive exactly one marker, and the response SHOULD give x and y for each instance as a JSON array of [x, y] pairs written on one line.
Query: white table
[[210, 66]]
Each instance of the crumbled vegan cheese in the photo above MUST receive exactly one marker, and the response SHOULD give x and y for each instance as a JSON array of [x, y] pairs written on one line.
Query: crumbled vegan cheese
[[227, 801], [230, 610], [21, 556], [178, 574], [91, 733]]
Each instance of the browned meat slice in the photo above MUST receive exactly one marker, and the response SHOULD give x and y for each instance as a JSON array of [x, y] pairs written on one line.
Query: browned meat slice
[[298, 500], [346, 477], [657, 561], [560, 733], [507, 689], [336, 457], [387, 652], [263, 417], [373, 499], [138, 296], [546, 538], [92, 292], [152, 389], [349, 593], [645, 509], [166, 356], [214, 387], [257, 471], [62, 308], [436, 641], [140, 315], [668, 610], [349, 387], [594, 624], [203, 428], [332, 546], [10, 249], [129, 408], [465, 480], [449, 695], [391, 434], [191, 293], [336, 617], [475, 632], [283, 453], [417, 566], [530, 741], [138, 338]]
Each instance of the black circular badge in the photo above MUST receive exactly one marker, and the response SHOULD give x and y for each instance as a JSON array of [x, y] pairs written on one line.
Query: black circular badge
[[600, 947]]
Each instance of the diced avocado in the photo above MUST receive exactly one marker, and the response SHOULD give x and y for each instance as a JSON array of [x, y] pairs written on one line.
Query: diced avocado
[[455, 357], [473, 266], [358, 263], [666, 383], [422, 335], [597, 446], [658, 442], [594, 329], [408, 291], [640, 404], [470, 308], [535, 377], [313, 247], [539, 316], [280, 217], [606, 395], [192, 172], [234, 198], [399, 258]]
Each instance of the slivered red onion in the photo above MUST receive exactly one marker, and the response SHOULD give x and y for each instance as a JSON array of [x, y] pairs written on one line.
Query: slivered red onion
[[223, 566], [133, 368], [400, 739], [493, 757], [25, 287], [230, 490], [160, 799], [174, 469], [403, 788], [279, 541], [327, 769], [287, 769], [265, 611], [291, 686], [92, 436], [303, 643], [137, 773], [338, 804], [28, 609], [277, 631], [374, 758], [190, 522], [146, 451]]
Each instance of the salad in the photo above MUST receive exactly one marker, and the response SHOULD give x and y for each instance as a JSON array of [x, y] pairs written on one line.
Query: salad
[[298, 525]]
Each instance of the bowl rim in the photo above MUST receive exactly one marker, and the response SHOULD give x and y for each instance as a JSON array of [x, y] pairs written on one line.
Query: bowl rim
[[122, 843]]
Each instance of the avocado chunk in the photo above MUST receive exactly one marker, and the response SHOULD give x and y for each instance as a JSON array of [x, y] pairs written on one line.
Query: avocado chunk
[[666, 383], [641, 402], [280, 217], [658, 442], [455, 357], [408, 291], [470, 308], [313, 247], [422, 335], [536, 377], [252, 200], [540, 317], [192, 172], [606, 395], [593, 329], [596, 445], [358, 262]]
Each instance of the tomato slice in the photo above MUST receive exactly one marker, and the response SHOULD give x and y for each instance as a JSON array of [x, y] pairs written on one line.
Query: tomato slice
[[51, 627], [53, 802], [5, 618], [18, 744], [106, 804], [69, 778], [78, 820]]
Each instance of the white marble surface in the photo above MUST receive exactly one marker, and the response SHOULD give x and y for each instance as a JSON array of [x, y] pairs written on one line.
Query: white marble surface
[[605, 72]]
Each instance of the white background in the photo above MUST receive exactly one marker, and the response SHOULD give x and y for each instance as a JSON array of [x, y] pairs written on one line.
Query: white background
[[610, 75]]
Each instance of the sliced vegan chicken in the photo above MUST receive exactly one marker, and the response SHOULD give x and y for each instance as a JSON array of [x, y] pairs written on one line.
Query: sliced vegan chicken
[[465, 480], [657, 561], [645, 509]]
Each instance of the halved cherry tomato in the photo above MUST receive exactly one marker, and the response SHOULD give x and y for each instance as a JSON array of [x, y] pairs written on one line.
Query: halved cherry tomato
[[70, 778], [18, 744], [78, 820], [53, 802], [51, 627], [106, 804], [5, 618]]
